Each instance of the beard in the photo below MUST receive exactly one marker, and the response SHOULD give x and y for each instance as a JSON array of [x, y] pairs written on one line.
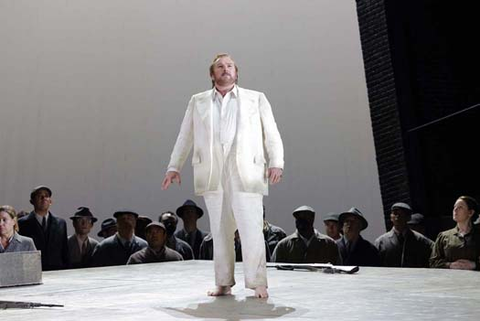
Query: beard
[[224, 80]]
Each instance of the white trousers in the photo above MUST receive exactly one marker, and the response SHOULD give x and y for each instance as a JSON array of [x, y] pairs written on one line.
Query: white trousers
[[229, 208]]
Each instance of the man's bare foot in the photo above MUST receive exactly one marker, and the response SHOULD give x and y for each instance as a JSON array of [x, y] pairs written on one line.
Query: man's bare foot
[[220, 290], [261, 292]]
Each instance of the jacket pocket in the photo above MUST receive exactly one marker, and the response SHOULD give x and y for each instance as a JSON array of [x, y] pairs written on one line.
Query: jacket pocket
[[196, 160], [259, 160]]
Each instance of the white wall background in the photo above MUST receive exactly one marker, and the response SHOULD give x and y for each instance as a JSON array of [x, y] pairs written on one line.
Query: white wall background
[[92, 94]]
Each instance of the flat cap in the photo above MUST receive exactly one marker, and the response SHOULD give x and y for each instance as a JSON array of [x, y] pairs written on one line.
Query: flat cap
[[331, 217], [38, 189], [304, 208], [122, 212], [155, 224], [402, 206]]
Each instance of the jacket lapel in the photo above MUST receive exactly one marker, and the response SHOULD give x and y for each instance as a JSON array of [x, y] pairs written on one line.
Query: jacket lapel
[[204, 107]]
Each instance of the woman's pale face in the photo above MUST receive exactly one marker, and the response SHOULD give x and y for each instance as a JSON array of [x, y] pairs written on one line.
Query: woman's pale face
[[461, 213], [7, 224]]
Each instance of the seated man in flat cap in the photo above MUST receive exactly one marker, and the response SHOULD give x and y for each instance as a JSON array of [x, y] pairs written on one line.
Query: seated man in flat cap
[[306, 245], [80, 245], [156, 251], [272, 235], [190, 213], [170, 221], [402, 247], [354, 249], [116, 249], [332, 226]]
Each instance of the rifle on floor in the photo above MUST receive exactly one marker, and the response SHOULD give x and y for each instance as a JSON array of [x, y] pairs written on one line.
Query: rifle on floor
[[325, 267], [25, 305]]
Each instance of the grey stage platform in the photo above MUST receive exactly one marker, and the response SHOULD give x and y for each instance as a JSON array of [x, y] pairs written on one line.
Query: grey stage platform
[[176, 291]]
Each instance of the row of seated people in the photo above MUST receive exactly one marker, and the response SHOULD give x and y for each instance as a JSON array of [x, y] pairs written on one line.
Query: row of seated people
[[130, 238]]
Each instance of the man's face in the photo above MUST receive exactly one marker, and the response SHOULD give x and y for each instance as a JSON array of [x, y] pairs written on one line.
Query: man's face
[[126, 221], [304, 221], [156, 237], [82, 225], [352, 226], [399, 218], [332, 228], [41, 200], [224, 73], [190, 214], [170, 223]]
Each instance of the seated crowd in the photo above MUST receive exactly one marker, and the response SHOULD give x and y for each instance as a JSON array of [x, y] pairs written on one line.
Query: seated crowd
[[129, 238]]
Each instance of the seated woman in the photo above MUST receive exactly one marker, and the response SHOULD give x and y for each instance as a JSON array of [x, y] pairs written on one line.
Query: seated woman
[[10, 240], [459, 248]]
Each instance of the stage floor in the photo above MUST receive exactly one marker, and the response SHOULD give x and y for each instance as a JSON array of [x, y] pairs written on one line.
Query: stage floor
[[177, 291]]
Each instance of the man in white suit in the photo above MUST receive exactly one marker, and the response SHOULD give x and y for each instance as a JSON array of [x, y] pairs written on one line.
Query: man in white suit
[[234, 135]]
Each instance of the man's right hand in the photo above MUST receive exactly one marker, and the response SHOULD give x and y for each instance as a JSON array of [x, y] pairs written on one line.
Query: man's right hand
[[171, 177]]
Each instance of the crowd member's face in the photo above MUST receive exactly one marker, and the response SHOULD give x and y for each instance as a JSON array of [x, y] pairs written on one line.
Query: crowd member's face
[[224, 73], [82, 225], [170, 223], [7, 224], [461, 213], [126, 221], [41, 200], [399, 218], [190, 214], [332, 229], [352, 226], [304, 221], [156, 237]]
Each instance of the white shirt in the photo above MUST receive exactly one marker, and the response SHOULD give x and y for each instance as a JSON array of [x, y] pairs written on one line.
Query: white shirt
[[224, 115], [40, 218]]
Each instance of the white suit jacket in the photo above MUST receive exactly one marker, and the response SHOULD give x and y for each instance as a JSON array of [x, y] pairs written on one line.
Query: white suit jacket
[[257, 140]]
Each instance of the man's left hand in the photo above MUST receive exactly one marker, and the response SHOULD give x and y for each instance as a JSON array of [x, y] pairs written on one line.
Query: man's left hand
[[275, 175]]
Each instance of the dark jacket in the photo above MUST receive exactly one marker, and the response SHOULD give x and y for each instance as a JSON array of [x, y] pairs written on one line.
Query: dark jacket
[[111, 251], [414, 251], [363, 253], [197, 236], [147, 255], [19, 243], [181, 247], [272, 235], [76, 260], [293, 249], [52, 243]]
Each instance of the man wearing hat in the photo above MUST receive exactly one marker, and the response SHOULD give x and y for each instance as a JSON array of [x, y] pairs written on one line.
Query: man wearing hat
[[189, 212], [116, 249], [156, 251], [272, 235], [416, 223], [306, 245], [140, 227], [402, 247], [354, 249], [170, 221], [48, 232], [332, 227], [80, 245], [108, 228]]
